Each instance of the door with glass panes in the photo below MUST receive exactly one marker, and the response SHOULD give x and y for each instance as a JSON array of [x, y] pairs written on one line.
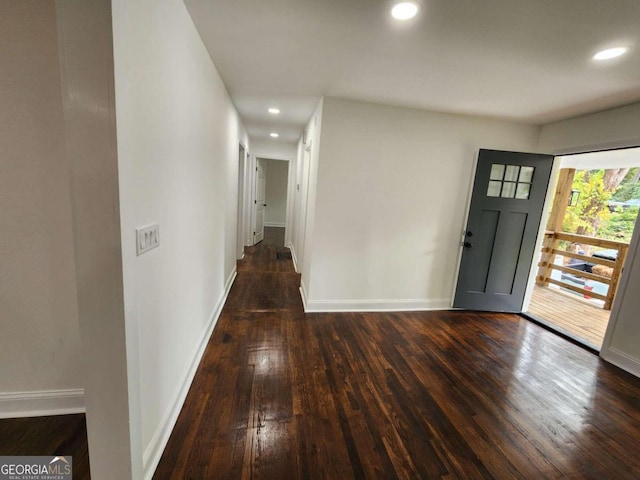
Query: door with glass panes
[[499, 240]]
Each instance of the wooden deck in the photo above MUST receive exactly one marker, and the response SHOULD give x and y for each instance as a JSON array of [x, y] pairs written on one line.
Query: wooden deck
[[570, 314]]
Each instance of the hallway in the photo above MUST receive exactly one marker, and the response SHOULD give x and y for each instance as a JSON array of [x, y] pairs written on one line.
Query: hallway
[[280, 394]]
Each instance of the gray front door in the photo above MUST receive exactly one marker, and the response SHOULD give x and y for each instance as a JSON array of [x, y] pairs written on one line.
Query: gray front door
[[504, 218]]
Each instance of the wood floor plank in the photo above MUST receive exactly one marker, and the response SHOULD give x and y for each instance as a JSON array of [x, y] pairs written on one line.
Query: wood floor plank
[[281, 394], [64, 435], [406, 395]]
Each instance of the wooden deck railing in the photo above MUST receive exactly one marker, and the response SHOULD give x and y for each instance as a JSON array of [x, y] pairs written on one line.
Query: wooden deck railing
[[550, 250]]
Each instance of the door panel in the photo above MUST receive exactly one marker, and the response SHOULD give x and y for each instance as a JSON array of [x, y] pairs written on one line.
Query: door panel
[[479, 264], [504, 217], [261, 179], [508, 243]]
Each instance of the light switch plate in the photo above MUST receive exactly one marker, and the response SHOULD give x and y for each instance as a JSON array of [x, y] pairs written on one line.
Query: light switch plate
[[147, 238]]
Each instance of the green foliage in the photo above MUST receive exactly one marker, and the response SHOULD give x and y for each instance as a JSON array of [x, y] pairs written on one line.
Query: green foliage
[[591, 212], [592, 216], [620, 226], [627, 192]]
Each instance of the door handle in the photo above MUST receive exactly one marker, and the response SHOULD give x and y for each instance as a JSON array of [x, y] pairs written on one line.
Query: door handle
[[264, 204], [469, 234], [467, 244]]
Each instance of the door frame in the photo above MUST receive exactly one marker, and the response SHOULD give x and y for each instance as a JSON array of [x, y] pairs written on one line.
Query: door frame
[[546, 210], [242, 217], [465, 220], [252, 199], [254, 205], [553, 182], [304, 203], [605, 351], [251, 176], [633, 245]]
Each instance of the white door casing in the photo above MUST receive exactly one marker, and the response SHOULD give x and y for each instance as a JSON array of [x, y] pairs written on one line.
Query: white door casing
[[260, 205], [303, 203], [241, 202]]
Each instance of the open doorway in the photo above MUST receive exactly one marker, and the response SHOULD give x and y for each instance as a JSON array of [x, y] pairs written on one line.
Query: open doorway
[[272, 178], [592, 218]]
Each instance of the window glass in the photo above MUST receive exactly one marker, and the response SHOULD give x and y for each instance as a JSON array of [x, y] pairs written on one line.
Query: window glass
[[511, 174], [494, 189], [508, 190], [497, 171], [522, 192], [526, 174], [510, 181]]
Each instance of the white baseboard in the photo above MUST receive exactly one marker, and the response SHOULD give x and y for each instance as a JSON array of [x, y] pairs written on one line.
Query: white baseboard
[[375, 305], [155, 448], [41, 403], [294, 257], [274, 224], [303, 295], [621, 360]]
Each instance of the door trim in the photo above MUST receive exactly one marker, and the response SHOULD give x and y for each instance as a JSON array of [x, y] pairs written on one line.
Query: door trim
[[465, 221], [546, 210]]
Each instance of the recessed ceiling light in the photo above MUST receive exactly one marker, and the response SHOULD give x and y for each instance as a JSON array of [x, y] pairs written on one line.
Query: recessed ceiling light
[[274, 111], [610, 53], [275, 135], [404, 10]]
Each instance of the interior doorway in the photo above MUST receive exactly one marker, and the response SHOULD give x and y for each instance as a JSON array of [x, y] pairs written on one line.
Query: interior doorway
[[586, 238], [241, 222], [271, 198], [276, 193], [259, 201]]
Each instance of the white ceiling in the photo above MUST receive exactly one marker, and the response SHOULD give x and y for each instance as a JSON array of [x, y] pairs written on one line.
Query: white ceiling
[[526, 60], [623, 158]]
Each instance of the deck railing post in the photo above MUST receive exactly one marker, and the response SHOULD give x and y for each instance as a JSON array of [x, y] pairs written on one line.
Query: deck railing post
[[615, 276], [546, 259], [547, 266], [554, 224]]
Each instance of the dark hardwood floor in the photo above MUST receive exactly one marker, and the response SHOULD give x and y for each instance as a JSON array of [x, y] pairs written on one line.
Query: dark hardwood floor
[[64, 435], [284, 395]]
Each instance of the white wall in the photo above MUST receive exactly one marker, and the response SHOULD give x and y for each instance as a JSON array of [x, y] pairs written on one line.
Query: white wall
[[178, 138], [40, 348], [621, 345], [392, 190], [610, 129], [302, 187], [310, 192], [276, 193], [274, 149], [614, 128], [86, 59]]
